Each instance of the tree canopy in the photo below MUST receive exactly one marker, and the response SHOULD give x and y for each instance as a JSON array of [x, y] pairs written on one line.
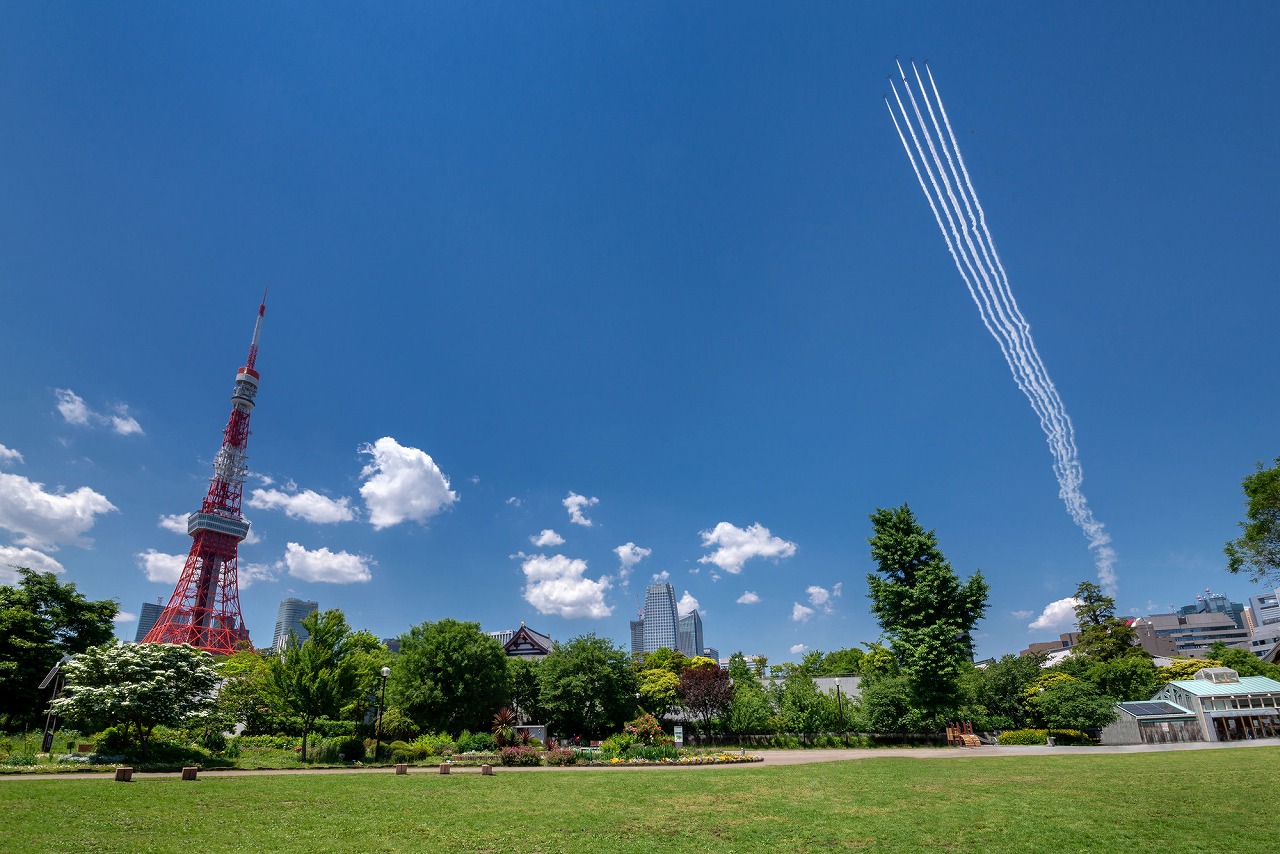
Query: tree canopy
[[449, 676], [318, 677], [1103, 635], [42, 619], [1257, 550], [587, 686], [924, 610], [141, 686]]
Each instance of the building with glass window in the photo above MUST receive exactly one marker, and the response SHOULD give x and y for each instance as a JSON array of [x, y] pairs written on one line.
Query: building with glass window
[[661, 622], [689, 634], [289, 619]]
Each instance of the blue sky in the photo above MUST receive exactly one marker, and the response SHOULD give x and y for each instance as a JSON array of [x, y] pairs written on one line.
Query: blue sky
[[671, 260]]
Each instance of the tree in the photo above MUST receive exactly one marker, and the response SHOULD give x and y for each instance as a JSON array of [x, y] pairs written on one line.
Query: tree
[[804, 709], [659, 691], [316, 678], [245, 695], [1257, 550], [449, 676], [999, 688], [1243, 662], [750, 712], [842, 662], [525, 695], [40, 621], [1128, 678], [587, 686], [923, 609], [1103, 635], [1064, 702], [705, 692], [139, 686], [664, 658], [885, 705]]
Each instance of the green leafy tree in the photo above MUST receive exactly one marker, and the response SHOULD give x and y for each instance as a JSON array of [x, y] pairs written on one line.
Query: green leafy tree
[[587, 686], [245, 695], [885, 706], [811, 662], [1130, 677], [139, 686], [1184, 668], [1103, 635], [804, 709], [659, 691], [317, 677], [878, 663], [1243, 662], [750, 712], [1000, 686], [664, 658], [449, 676], [924, 610], [526, 697], [1257, 550], [742, 672], [1064, 702], [41, 620], [842, 662]]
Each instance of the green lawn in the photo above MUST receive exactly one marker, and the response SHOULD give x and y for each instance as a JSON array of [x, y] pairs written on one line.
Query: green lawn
[[1193, 801]]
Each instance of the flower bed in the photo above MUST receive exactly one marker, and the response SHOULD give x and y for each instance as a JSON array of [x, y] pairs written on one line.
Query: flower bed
[[700, 759]]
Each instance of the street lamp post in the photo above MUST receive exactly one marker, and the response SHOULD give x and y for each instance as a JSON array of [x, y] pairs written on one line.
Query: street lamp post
[[377, 727]]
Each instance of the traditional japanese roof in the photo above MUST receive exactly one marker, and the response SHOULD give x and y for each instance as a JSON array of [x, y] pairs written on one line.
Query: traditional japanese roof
[[528, 642]]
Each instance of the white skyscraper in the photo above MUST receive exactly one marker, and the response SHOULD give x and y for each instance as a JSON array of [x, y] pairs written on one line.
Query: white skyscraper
[[289, 619], [660, 618]]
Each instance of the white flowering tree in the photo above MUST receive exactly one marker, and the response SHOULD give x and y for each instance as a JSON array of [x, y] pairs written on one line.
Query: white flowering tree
[[140, 686]]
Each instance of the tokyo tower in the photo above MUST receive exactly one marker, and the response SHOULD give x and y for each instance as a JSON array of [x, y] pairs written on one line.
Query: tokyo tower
[[204, 609]]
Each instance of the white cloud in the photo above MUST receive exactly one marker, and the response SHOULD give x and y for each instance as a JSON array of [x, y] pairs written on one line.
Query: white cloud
[[687, 605], [324, 565], [715, 576], [44, 519], [75, 411], [548, 537], [124, 617], [8, 455], [251, 573], [820, 597], [175, 523], [738, 545], [308, 505], [403, 484], [160, 567], [661, 576], [801, 613], [12, 557], [475, 478], [629, 554], [558, 585], [797, 648], [748, 598], [575, 504], [514, 502], [1022, 615], [1056, 615]]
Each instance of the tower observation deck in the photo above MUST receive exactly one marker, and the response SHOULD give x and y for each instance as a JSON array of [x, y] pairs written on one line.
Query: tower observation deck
[[204, 609]]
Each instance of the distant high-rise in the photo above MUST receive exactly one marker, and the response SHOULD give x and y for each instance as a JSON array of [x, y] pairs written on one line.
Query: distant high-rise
[[689, 634], [660, 618], [637, 637], [147, 619], [289, 619]]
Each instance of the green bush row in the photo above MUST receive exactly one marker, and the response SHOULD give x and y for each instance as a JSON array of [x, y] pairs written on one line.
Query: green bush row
[[1064, 737]]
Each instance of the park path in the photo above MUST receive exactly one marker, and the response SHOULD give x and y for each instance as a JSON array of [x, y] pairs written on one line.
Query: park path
[[772, 758]]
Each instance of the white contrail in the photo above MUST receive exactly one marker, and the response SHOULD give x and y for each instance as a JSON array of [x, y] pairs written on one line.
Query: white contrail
[[951, 196]]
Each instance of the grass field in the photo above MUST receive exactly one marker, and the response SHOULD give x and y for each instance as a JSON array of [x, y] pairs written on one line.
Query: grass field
[[1192, 801]]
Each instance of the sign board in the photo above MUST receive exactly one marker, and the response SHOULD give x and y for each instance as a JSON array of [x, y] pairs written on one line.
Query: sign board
[[679, 736]]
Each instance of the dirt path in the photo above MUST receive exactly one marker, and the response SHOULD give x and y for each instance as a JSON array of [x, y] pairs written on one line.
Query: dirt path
[[771, 758]]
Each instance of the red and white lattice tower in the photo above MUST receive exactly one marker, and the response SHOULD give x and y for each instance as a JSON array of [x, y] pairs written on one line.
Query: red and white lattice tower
[[204, 610]]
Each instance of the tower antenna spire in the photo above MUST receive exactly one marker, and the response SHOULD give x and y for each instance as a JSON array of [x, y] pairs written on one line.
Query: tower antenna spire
[[204, 609]]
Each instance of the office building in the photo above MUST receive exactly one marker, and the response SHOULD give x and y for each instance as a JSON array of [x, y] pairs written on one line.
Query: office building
[[1194, 633], [289, 620], [1216, 603], [637, 638], [1266, 608], [147, 618], [660, 619], [689, 634], [712, 653]]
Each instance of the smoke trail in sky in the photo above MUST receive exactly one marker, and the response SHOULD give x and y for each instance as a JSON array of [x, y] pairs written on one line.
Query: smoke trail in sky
[[939, 168]]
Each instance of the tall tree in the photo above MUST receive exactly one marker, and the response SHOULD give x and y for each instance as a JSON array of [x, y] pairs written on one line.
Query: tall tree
[[587, 687], [999, 688], [705, 692], [1103, 635], [450, 676], [41, 620], [316, 678], [923, 609], [141, 686], [1257, 550]]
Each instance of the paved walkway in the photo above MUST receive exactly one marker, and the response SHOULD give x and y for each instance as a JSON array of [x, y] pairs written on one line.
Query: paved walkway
[[771, 758]]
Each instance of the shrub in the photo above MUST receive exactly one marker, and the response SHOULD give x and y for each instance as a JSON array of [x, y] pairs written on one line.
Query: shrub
[[561, 756], [647, 729], [618, 745], [259, 742], [1039, 736], [479, 742], [434, 745], [520, 756], [397, 726], [113, 740], [20, 759], [350, 748]]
